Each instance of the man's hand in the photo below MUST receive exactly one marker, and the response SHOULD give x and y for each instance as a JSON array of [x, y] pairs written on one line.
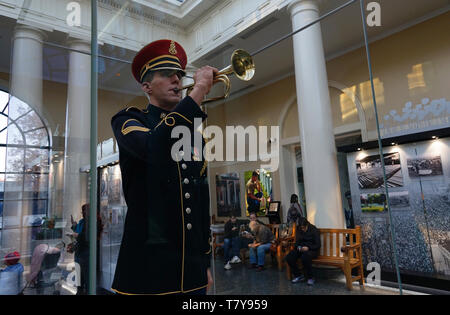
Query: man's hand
[[303, 249], [203, 78]]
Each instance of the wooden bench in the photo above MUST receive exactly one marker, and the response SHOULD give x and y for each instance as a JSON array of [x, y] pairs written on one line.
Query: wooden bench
[[340, 248], [283, 243]]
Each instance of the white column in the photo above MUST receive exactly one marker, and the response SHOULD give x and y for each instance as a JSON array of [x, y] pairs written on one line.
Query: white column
[[322, 189], [77, 133], [27, 71], [26, 85]]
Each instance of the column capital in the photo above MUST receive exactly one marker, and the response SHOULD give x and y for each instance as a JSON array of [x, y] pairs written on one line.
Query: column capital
[[29, 32], [79, 44], [297, 6]]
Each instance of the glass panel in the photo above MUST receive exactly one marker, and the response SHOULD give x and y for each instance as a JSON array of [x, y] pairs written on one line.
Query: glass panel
[[412, 101], [45, 73]]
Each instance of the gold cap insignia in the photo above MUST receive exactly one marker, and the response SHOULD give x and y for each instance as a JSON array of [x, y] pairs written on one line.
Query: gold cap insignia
[[172, 48]]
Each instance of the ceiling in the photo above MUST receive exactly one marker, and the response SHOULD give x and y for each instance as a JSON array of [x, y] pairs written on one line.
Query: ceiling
[[341, 32]]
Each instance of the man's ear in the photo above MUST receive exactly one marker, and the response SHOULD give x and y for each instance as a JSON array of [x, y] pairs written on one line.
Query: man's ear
[[146, 87]]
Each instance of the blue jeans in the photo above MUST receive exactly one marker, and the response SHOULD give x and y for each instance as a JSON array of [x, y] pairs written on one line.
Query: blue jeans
[[231, 248], [259, 253]]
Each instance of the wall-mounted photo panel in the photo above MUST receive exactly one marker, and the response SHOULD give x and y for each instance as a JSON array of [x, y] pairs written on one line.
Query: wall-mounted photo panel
[[228, 194], [370, 172], [425, 166]]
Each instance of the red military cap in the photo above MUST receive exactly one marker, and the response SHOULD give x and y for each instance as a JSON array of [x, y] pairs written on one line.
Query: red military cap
[[160, 55]]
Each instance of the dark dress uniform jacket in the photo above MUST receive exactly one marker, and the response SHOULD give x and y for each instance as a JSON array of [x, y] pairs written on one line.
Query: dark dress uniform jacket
[[165, 247]]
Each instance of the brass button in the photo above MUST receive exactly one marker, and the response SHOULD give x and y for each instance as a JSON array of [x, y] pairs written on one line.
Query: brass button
[[186, 181], [188, 210], [187, 195], [181, 153], [184, 166], [189, 226]]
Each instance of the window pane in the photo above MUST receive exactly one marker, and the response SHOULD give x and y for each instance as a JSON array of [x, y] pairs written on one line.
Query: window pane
[[17, 108], [29, 121], [14, 159], [14, 135], [4, 98], [37, 137], [36, 183], [36, 160], [2, 160]]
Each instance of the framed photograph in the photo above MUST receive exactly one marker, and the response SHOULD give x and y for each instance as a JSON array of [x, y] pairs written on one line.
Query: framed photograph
[[399, 199], [274, 207], [370, 172], [425, 166], [228, 191], [373, 203], [260, 186]]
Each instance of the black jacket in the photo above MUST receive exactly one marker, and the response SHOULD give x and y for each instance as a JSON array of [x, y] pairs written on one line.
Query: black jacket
[[228, 229], [310, 238], [166, 242]]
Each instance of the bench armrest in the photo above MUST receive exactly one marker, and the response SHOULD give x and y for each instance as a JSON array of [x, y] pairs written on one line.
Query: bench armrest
[[347, 248]]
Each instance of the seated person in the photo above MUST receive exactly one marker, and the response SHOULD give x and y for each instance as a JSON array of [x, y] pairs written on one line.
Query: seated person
[[263, 238], [11, 276], [231, 242], [307, 248]]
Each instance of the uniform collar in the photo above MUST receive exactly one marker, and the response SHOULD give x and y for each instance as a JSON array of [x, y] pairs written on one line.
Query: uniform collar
[[157, 111]]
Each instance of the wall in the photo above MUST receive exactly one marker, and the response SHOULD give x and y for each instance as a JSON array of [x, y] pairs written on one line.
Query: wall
[[421, 228]]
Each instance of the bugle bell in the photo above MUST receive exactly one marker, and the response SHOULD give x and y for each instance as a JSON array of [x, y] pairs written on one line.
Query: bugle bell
[[242, 66]]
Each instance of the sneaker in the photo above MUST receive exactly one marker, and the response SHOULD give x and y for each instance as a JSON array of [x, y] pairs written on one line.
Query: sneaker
[[253, 266], [260, 268], [311, 282], [227, 266], [235, 260], [298, 279]]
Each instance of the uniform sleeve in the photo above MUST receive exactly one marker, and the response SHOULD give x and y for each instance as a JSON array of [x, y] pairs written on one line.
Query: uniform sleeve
[[149, 145]]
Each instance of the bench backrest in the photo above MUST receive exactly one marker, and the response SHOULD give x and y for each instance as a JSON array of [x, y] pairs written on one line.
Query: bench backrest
[[332, 240]]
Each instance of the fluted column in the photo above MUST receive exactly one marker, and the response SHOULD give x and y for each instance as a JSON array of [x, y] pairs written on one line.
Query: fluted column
[[322, 189]]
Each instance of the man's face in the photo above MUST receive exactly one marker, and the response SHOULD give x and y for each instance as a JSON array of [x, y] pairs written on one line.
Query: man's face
[[252, 217], [165, 89], [233, 219]]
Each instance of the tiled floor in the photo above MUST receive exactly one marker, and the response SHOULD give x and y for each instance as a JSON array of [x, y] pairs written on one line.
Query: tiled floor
[[242, 281]]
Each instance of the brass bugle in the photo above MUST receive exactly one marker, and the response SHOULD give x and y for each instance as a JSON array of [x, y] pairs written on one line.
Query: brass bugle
[[242, 66]]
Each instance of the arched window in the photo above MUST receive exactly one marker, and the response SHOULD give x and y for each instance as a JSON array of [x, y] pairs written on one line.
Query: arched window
[[24, 164]]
